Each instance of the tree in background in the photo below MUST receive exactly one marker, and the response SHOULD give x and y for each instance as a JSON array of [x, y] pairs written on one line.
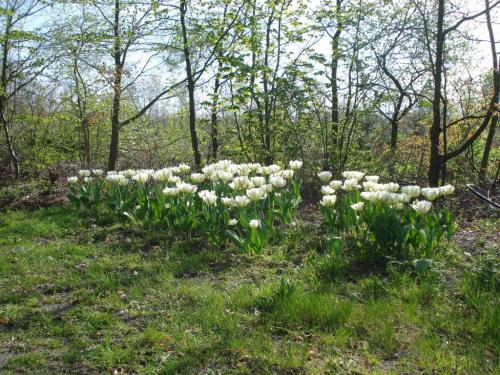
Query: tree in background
[[24, 58]]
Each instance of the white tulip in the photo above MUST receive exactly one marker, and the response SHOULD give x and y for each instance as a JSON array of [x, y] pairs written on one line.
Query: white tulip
[[368, 196], [275, 168], [325, 176], [267, 188], [254, 223], [266, 170], [223, 164], [241, 183], [372, 178], [403, 198], [162, 175], [184, 168], [350, 184], [295, 164], [227, 201], [327, 190], [174, 180], [353, 175], [208, 197], [129, 173], [335, 184], [73, 180], [117, 179], [413, 190], [241, 201], [392, 187], [258, 181], [122, 181], [328, 200], [430, 193], [187, 188], [255, 194], [370, 186], [447, 189], [243, 169], [97, 172], [358, 206], [84, 173], [224, 176], [233, 222], [141, 178], [197, 178], [254, 167], [171, 191], [208, 170], [277, 181], [386, 197], [288, 173], [422, 207]]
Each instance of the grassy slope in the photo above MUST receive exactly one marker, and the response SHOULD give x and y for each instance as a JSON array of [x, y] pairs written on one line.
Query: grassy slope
[[78, 298]]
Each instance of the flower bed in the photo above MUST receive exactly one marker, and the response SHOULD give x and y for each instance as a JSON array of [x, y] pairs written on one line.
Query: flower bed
[[241, 202], [246, 204]]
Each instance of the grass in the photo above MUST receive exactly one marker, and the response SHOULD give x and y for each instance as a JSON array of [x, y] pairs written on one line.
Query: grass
[[80, 298]]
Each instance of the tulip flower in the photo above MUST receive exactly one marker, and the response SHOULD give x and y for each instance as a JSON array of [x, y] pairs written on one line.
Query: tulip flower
[[422, 207], [325, 176]]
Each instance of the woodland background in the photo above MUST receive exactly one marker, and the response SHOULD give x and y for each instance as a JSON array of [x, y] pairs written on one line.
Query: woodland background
[[405, 89]]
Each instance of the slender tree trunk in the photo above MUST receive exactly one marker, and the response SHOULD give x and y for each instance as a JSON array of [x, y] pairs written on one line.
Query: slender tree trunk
[[268, 159], [4, 97], [435, 130], [496, 107], [487, 149], [334, 65], [394, 134], [8, 139], [190, 87], [445, 142], [396, 117], [81, 102], [117, 91], [214, 133], [86, 143]]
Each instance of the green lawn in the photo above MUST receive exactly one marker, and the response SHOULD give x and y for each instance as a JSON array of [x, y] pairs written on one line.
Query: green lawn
[[81, 298]]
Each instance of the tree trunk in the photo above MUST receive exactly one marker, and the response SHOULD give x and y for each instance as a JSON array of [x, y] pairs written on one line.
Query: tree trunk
[[8, 139], [496, 84], [394, 135], [190, 87], [268, 159], [14, 161], [435, 130], [487, 149], [117, 92], [335, 117], [81, 102], [86, 143], [214, 133]]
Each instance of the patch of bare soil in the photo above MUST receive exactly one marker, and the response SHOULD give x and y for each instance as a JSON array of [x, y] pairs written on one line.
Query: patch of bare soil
[[48, 189]]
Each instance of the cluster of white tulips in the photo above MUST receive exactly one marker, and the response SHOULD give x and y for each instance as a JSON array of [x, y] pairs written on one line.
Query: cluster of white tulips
[[384, 218], [241, 202]]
